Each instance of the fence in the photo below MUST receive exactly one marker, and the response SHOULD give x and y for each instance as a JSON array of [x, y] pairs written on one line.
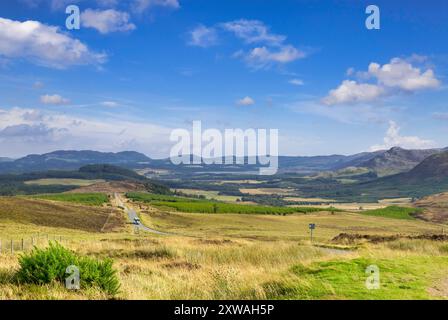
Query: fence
[[27, 243]]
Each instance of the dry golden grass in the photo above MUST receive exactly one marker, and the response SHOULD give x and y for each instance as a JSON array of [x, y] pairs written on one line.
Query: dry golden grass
[[212, 256], [59, 215]]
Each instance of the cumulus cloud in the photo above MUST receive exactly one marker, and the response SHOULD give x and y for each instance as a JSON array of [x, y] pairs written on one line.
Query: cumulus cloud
[[246, 101], [54, 99], [202, 36], [44, 45], [394, 139], [106, 21], [401, 74], [351, 91], [390, 79], [263, 57]]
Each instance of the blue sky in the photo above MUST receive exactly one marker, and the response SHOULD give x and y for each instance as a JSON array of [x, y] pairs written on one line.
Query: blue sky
[[137, 69]]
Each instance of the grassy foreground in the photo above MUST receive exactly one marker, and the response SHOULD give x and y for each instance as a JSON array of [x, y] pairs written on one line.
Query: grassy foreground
[[185, 268], [232, 256]]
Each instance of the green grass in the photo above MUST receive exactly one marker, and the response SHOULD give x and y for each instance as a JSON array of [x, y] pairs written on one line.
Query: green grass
[[219, 207], [91, 199], [183, 204], [149, 197], [394, 212], [400, 278], [45, 266]]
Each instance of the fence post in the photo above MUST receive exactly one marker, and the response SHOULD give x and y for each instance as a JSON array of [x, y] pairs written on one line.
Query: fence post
[[23, 245], [12, 246]]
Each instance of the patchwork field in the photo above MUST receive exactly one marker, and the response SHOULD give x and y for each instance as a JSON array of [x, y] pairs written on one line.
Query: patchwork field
[[267, 191], [209, 195]]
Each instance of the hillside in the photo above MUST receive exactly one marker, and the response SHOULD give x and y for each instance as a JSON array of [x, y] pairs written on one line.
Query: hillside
[[435, 207], [72, 160], [428, 177], [397, 160], [112, 187], [12, 184], [59, 215]]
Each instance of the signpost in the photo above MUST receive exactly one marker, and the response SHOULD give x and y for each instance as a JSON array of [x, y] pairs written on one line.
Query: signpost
[[312, 226]]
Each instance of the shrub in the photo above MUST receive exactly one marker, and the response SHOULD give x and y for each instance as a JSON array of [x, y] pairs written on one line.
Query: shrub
[[43, 266]]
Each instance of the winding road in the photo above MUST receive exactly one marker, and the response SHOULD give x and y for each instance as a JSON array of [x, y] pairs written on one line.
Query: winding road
[[132, 214]]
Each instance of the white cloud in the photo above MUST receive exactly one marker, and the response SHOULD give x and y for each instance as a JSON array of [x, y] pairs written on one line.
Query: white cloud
[[262, 56], [142, 5], [54, 99], [273, 49], [107, 21], [246, 101], [390, 79], [394, 139], [19, 133], [296, 82], [351, 92], [110, 104], [253, 31], [401, 74], [44, 45], [203, 36]]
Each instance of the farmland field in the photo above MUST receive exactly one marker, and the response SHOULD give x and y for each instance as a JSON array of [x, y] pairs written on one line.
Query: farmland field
[[266, 191], [209, 195], [183, 204]]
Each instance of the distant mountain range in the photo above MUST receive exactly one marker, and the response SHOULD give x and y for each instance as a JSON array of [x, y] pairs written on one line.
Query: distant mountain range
[[72, 160], [384, 162], [428, 177]]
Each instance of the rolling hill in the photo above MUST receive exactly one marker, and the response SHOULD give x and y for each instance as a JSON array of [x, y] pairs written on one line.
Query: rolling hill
[[72, 160], [12, 184], [396, 160], [428, 177]]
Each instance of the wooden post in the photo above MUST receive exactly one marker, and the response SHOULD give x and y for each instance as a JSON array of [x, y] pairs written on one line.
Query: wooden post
[[12, 246], [23, 245]]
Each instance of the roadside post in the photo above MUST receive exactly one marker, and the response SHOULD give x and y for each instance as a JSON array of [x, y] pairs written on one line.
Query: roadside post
[[312, 226]]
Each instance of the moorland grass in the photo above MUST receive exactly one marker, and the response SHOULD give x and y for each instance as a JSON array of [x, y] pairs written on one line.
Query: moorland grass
[[90, 199]]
